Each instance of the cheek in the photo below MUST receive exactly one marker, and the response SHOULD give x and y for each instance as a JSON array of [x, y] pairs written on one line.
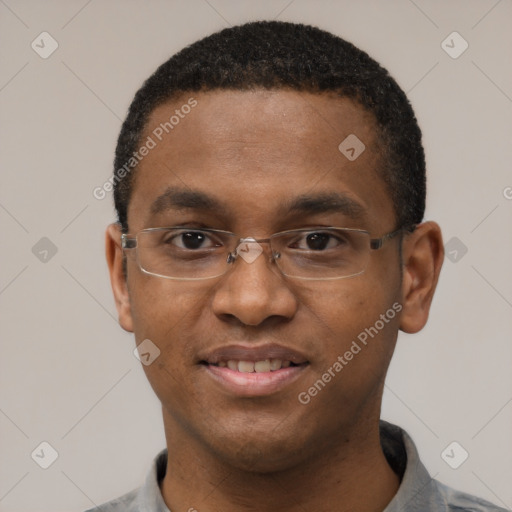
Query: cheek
[[348, 305], [357, 320], [168, 314], [165, 312]]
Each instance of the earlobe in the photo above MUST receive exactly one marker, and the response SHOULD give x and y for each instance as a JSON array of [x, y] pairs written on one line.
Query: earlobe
[[423, 255], [114, 255]]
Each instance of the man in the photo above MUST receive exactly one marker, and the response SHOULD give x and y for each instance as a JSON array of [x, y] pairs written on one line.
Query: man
[[270, 190]]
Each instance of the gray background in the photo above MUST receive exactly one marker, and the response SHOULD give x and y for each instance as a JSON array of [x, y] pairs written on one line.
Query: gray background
[[67, 372]]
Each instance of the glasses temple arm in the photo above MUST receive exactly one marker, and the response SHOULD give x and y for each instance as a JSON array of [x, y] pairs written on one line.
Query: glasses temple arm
[[127, 242], [377, 243]]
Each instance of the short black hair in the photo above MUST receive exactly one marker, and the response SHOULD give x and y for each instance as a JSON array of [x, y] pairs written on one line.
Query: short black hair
[[282, 55]]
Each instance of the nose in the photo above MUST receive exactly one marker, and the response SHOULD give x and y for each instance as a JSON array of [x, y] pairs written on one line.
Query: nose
[[253, 290]]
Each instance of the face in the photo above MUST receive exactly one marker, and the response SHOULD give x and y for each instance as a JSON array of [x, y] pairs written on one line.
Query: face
[[252, 155]]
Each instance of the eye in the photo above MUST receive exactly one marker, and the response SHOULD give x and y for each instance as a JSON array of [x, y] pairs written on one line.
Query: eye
[[319, 241], [191, 240]]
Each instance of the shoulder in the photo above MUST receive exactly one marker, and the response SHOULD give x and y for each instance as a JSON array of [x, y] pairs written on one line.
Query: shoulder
[[144, 498], [418, 491], [458, 501], [125, 503]]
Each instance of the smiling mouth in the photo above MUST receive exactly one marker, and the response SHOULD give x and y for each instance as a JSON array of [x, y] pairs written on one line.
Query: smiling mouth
[[247, 370], [263, 366], [260, 378]]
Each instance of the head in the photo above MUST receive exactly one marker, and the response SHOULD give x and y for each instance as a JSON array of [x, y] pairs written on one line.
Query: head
[[281, 56], [242, 133]]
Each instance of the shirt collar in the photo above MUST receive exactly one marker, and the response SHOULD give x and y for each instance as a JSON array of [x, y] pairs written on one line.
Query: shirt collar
[[418, 491], [150, 497]]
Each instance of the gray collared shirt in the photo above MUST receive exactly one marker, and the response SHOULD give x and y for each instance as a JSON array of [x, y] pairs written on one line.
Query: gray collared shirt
[[418, 491]]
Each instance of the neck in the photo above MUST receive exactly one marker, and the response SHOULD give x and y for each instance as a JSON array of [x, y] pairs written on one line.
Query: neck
[[350, 475]]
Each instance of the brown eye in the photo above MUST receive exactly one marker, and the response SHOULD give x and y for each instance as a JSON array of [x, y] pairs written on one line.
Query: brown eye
[[190, 240], [317, 241]]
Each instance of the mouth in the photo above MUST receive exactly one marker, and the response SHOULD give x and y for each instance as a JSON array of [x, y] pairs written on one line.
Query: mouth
[[263, 366], [246, 371]]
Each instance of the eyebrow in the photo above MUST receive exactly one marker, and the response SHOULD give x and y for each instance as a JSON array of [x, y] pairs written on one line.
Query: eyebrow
[[180, 199], [328, 203], [332, 202]]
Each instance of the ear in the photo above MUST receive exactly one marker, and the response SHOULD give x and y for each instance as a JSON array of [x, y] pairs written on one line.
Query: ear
[[422, 256], [114, 254]]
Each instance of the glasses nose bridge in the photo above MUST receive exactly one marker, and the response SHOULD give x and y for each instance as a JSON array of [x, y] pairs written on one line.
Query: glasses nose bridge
[[250, 248]]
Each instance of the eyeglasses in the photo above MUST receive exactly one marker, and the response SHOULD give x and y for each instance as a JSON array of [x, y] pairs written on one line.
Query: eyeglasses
[[189, 254]]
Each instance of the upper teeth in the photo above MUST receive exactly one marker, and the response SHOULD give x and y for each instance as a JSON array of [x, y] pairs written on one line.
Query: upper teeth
[[267, 365]]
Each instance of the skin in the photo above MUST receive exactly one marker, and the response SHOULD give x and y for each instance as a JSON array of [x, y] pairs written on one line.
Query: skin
[[255, 151]]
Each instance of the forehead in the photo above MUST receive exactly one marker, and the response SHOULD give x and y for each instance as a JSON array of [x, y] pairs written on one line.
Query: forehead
[[254, 151]]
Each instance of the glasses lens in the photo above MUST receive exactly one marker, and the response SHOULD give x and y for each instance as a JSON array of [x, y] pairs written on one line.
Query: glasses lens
[[182, 253], [322, 254]]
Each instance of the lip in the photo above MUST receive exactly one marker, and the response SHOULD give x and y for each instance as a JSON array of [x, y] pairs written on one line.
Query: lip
[[242, 352], [257, 383], [254, 384]]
